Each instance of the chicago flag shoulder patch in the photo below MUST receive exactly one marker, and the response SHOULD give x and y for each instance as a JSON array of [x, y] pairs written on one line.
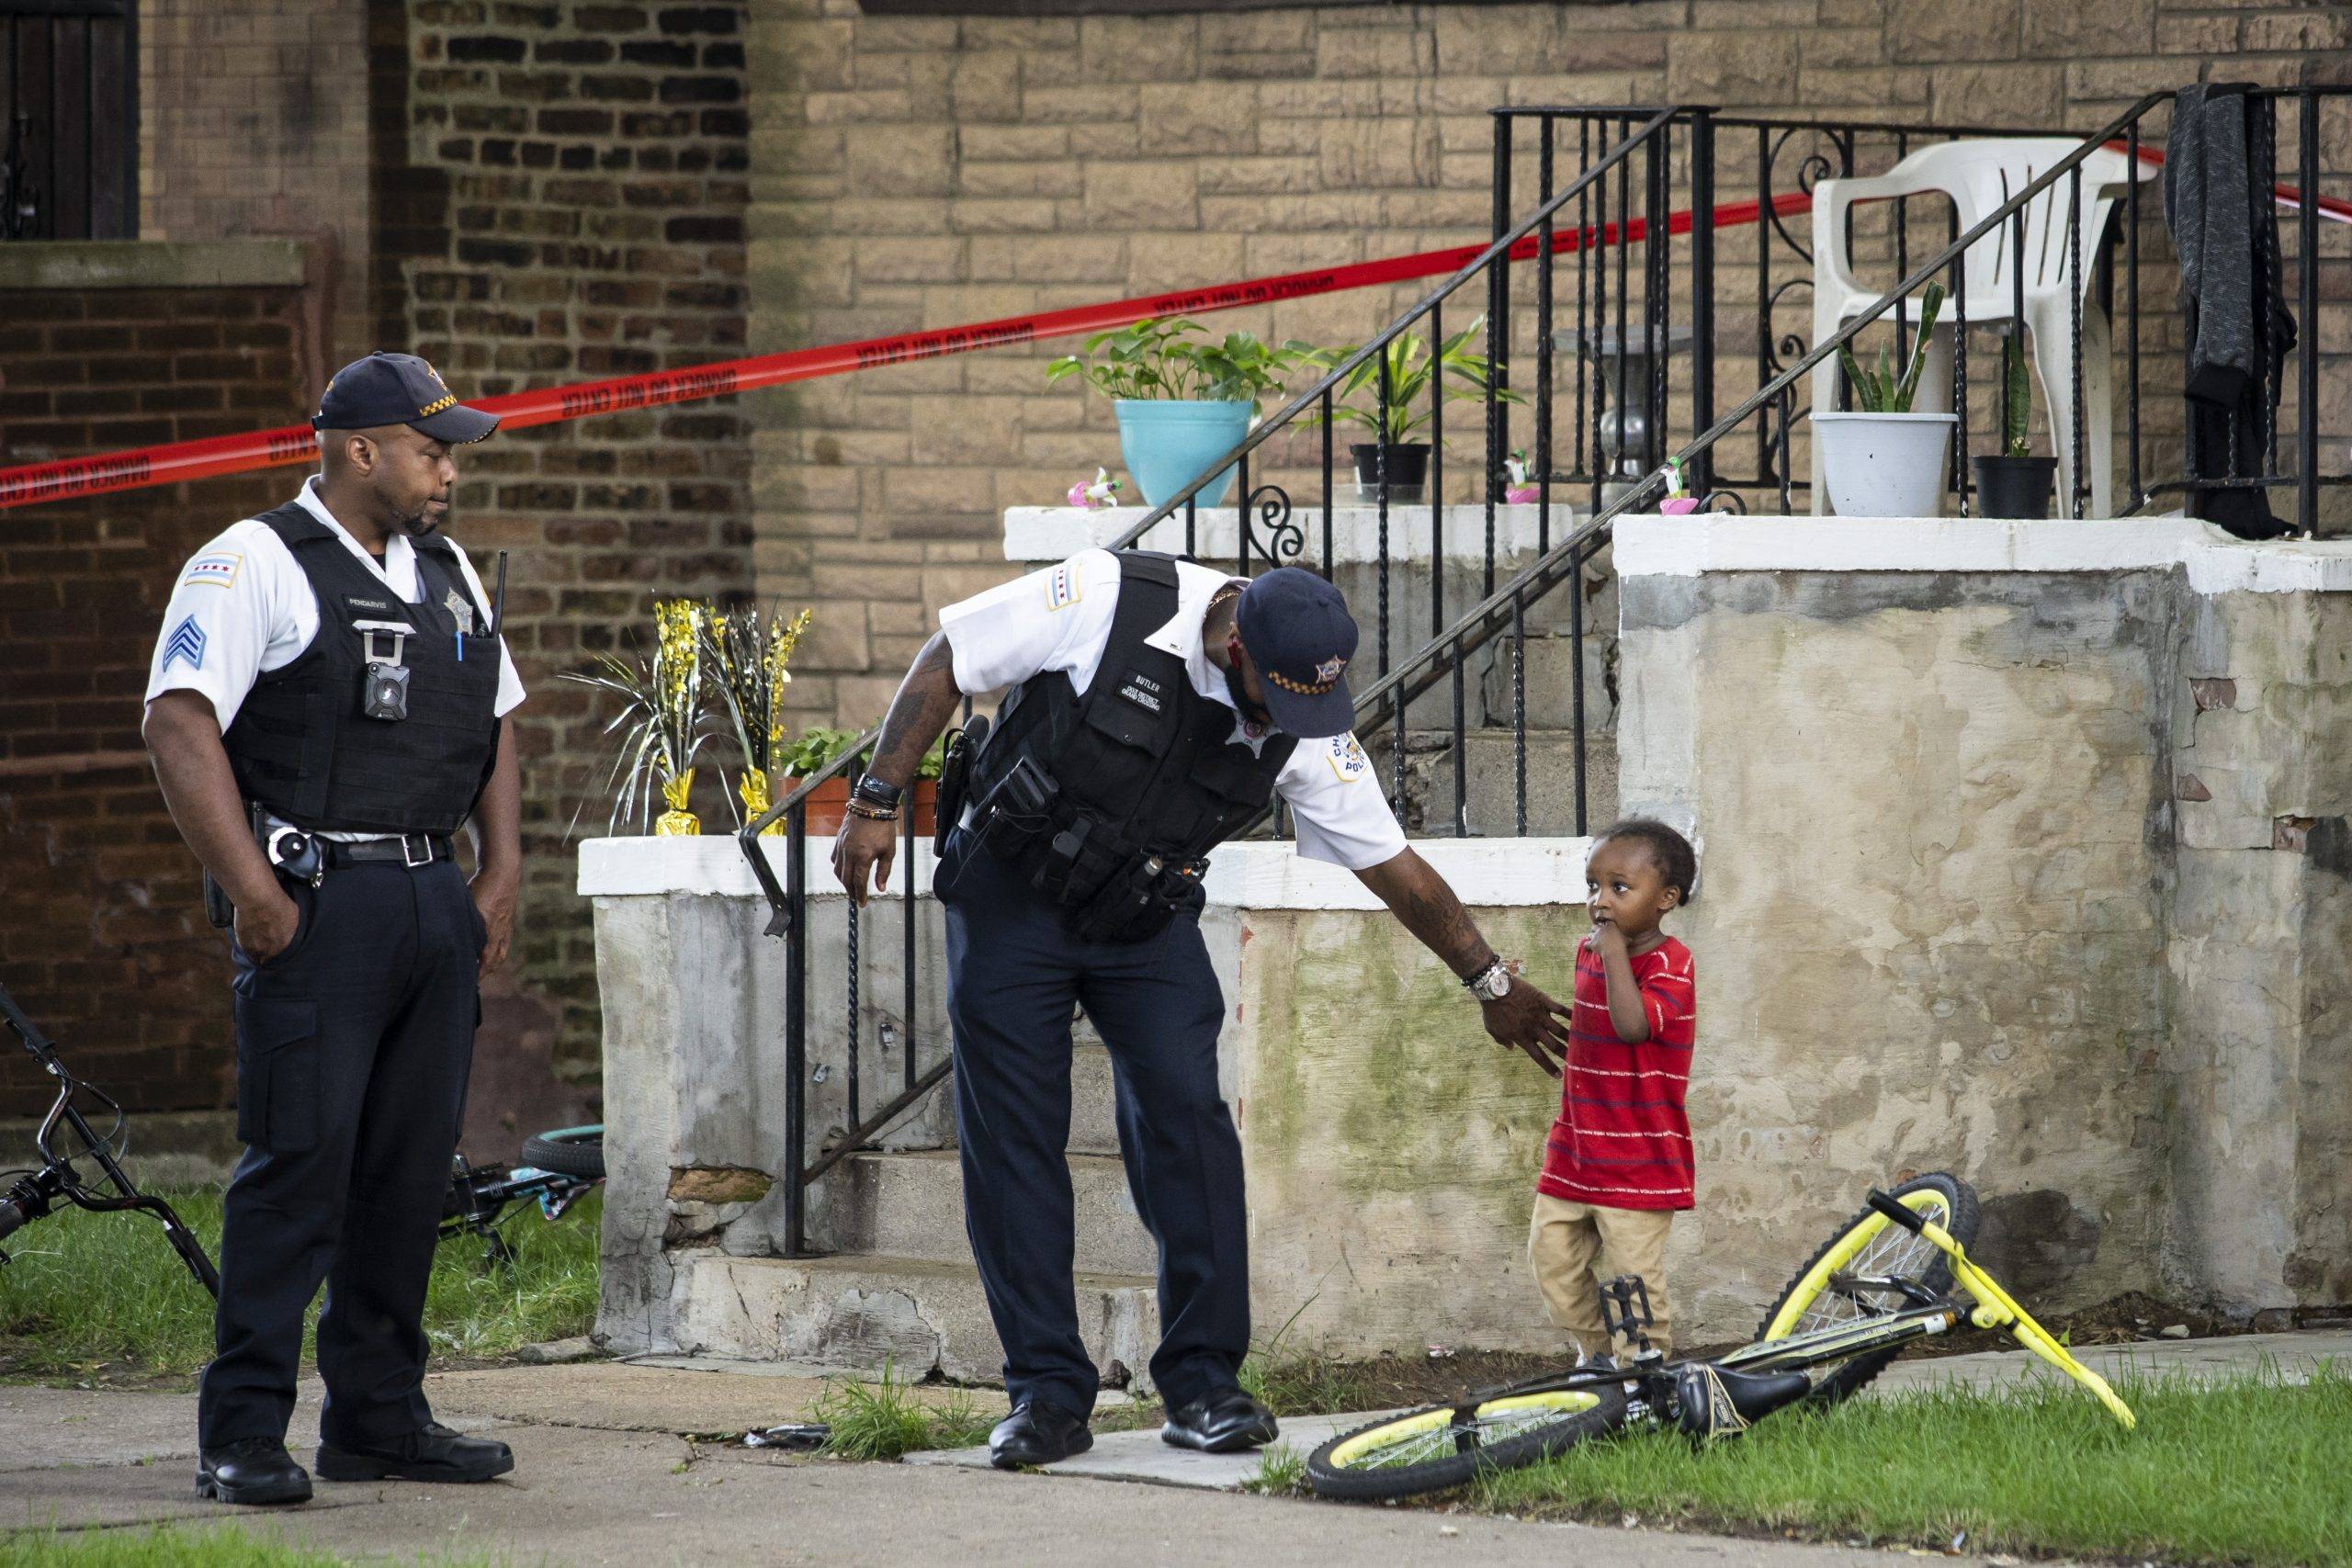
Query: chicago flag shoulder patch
[[217, 569], [1063, 587]]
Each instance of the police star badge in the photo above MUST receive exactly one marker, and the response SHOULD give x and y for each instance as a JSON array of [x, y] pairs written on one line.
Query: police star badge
[[1329, 671], [460, 611]]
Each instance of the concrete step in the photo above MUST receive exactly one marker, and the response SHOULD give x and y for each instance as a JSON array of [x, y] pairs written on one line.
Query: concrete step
[[1551, 682], [1093, 1126], [1490, 781], [911, 1205], [916, 1314]]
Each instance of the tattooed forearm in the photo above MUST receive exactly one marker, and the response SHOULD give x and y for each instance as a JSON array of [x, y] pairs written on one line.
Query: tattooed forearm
[[926, 701], [1421, 899]]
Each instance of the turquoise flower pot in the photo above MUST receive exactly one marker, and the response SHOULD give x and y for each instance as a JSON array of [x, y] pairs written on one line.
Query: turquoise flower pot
[[1167, 443]]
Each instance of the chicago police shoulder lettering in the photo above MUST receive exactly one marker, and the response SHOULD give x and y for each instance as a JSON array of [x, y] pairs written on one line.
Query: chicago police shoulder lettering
[[1347, 759]]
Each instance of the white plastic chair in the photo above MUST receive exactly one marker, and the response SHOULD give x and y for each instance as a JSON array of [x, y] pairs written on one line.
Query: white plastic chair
[[1980, 176]]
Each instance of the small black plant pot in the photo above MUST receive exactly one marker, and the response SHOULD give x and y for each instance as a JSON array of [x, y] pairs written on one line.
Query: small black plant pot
[[2014, 487], [1408, 465]]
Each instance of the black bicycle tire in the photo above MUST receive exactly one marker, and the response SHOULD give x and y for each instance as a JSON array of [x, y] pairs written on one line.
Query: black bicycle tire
[[1850, 1378], [1546, 1441], [568, 1151]]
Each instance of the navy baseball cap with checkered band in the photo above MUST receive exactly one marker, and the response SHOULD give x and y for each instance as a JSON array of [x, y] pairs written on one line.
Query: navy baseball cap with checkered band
[[1296, 629], [399, 389]]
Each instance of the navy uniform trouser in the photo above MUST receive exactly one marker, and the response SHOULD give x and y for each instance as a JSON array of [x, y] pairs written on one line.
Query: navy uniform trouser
[[353, 1047], [1014, 975]]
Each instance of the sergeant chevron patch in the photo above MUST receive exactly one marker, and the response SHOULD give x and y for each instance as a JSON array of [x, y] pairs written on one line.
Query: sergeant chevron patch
[[185, 645]]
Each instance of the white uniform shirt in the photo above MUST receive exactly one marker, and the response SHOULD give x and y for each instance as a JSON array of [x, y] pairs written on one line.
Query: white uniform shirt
[[1060, 619], [244, 607]]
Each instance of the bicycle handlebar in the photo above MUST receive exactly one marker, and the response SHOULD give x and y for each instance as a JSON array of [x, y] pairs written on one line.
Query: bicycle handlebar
[[1900, 1213]]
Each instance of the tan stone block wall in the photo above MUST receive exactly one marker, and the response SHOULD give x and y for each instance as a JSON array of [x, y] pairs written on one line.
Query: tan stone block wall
[[254, 121], [922, 172]]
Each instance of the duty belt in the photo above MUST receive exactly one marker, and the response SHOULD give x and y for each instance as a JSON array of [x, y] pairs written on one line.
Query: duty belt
[[411, 850]]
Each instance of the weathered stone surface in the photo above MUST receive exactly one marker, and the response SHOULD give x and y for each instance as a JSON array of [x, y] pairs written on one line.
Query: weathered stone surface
[[1928, 30], [860, 1312], [718, 1184], [2136, 1050]]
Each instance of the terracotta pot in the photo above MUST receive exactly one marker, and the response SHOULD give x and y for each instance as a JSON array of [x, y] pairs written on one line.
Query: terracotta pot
[[829, 804]]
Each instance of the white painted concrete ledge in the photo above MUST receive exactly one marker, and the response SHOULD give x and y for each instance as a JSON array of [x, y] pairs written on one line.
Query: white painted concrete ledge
[[2216, 563], [1486, 873]]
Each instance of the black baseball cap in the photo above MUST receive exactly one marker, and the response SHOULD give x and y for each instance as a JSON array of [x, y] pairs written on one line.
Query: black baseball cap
[[1297, 630], [399, 389]]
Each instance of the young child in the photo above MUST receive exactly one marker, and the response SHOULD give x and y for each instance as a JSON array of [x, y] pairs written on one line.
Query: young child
[[1619, 1161]]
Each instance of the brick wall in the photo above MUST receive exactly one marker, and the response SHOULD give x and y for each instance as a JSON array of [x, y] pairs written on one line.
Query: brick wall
[[102, 932], [253, 121], [561, 197], [920, 172]]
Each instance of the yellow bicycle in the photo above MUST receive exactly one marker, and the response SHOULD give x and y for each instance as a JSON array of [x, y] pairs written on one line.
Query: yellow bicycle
[[1898, 1271]]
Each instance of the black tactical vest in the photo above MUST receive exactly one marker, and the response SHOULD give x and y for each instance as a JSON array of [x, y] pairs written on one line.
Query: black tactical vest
[[1144, 765], [300, 744]]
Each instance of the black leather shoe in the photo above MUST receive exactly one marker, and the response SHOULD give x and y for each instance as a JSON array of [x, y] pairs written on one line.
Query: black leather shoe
[[1221, 1424], [433, 1453], [253, 1471], [1036, 1433]]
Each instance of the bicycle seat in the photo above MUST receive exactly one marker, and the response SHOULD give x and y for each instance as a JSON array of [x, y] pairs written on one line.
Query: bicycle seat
[[1715, 1402]]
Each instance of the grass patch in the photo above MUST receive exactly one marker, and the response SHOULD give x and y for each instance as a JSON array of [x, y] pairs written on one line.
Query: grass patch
[[177, 1546], [104, 1295], [1300, 1384], [2249, 1470], [1305, 1385], [884, 1420], [1282, 1471]]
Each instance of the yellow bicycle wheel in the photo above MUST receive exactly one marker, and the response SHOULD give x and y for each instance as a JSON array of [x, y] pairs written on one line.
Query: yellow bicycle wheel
[[1444, 1445], [1871, 1246]]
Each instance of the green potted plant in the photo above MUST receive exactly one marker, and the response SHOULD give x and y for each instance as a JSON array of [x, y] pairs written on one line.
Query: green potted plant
[[1394, 421], [1881, 459], [2015, 483], [819, 746], [1181, 404]]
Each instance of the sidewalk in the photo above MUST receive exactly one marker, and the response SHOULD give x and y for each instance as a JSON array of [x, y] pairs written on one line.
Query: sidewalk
[[594, 1485], [603, 1476]]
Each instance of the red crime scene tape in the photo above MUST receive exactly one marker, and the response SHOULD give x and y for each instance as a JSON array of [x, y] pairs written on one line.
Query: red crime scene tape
[[295, 444]]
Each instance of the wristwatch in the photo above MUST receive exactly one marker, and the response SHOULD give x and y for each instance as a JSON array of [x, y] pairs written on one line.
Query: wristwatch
[[1491, 984], [876, 792]]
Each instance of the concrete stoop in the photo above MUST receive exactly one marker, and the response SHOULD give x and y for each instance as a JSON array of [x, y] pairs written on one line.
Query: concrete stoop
[[1491, 776], [911, 1205], [918, 1315]]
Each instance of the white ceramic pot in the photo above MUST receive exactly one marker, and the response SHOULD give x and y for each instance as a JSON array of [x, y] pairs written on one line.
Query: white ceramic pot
[[1884, 465]]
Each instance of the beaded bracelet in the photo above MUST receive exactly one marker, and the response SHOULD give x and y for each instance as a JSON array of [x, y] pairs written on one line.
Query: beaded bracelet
[[870, 811]]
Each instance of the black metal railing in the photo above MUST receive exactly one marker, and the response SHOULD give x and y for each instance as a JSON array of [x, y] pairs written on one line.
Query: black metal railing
[[1687, 326], [1629, 413], [1265, 506]]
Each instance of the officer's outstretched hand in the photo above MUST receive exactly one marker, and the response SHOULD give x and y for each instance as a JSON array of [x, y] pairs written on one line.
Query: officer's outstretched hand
[[863, 853], [1529, 1020]]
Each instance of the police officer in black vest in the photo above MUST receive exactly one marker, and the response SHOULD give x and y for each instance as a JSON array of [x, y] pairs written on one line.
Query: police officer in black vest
[[1158, 707], [326, 708]]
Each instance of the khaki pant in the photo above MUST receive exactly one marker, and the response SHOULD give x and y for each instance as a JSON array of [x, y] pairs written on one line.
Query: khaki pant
[[1575, 1246]]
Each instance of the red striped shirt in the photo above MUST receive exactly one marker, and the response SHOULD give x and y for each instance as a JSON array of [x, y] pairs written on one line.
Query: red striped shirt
[[1621, 1140]]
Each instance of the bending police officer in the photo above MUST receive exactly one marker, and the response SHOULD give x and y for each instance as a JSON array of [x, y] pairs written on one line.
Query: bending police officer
[[1159, 705], [326, 707]]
